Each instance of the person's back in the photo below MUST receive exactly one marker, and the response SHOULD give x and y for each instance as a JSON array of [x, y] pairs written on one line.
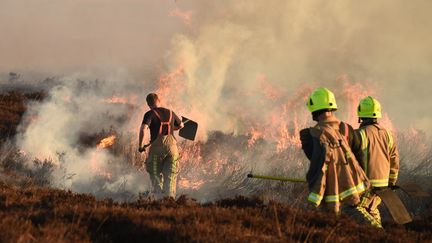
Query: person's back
[[339, 178], [162, 160], [380, 158], [161, 122], [334, 176]]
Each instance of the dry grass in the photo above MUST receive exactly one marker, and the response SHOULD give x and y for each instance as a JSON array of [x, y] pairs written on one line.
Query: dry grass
[[12, 108], [41, 214], [30, 211]]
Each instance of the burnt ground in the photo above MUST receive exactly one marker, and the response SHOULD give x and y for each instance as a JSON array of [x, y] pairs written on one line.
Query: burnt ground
[[32, 212]]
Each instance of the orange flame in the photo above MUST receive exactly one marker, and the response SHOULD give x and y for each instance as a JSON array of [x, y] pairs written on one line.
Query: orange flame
[[106, 142], [188, 184], [283, 115], [351, 95], [170, 84], [95, 164], [254, 135], [282, 124]]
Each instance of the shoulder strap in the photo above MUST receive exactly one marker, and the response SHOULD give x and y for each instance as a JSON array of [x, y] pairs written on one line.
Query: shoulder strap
[[164, 123]]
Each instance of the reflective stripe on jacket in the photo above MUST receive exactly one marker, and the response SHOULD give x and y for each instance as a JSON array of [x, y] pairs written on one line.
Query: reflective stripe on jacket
[[334, 175], [380, 158]]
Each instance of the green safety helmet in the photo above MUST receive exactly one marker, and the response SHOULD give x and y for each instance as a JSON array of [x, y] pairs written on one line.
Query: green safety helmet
[[369, 108], [321, 99]]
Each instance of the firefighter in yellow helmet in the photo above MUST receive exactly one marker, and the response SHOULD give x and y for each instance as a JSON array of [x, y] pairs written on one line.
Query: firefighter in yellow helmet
[[335, 177], [380, 158]]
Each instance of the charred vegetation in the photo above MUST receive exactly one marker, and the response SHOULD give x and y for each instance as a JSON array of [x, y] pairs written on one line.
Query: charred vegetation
[[246, 210]]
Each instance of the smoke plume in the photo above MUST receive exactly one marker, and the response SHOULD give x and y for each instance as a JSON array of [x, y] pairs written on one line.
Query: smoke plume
[[241, 67]]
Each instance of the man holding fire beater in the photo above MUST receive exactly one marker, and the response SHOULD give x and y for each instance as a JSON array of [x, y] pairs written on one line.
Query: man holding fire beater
[[162, 160], [335, 177], [380, 157]]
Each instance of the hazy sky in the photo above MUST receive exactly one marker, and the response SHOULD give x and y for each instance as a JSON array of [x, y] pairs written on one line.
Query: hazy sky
[[70, 35]]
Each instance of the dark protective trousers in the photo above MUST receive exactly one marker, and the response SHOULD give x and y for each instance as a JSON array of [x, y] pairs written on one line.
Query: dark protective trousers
[[162, 165]]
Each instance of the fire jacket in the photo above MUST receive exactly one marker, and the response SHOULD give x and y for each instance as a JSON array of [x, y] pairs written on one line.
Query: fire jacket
[[334, 175], [380, 157], [354, 140]]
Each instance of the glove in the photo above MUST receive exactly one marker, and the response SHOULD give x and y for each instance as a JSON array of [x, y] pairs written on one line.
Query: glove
[[142, 149]]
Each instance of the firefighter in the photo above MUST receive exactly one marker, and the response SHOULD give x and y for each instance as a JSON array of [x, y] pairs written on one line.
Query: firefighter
[[335, 177], [161, 163], [380, 158]]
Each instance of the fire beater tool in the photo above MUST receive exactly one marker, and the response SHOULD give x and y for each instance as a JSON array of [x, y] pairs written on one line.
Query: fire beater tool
[[394, 205], [412, 189], [276, 178], [189, 130], [392, 201]]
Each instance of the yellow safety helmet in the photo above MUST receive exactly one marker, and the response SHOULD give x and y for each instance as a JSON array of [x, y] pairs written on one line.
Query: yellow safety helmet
[[321, 99], [369, 108]]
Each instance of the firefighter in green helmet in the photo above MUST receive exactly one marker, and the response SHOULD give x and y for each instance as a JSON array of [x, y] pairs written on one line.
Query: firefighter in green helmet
[[380, 157], [335, 177]]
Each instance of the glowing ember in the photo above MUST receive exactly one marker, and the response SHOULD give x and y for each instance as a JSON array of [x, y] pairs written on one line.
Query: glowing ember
[[106, 142]]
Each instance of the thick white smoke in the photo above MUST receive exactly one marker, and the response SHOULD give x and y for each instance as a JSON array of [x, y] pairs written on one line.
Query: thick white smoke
[[67, 126]]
